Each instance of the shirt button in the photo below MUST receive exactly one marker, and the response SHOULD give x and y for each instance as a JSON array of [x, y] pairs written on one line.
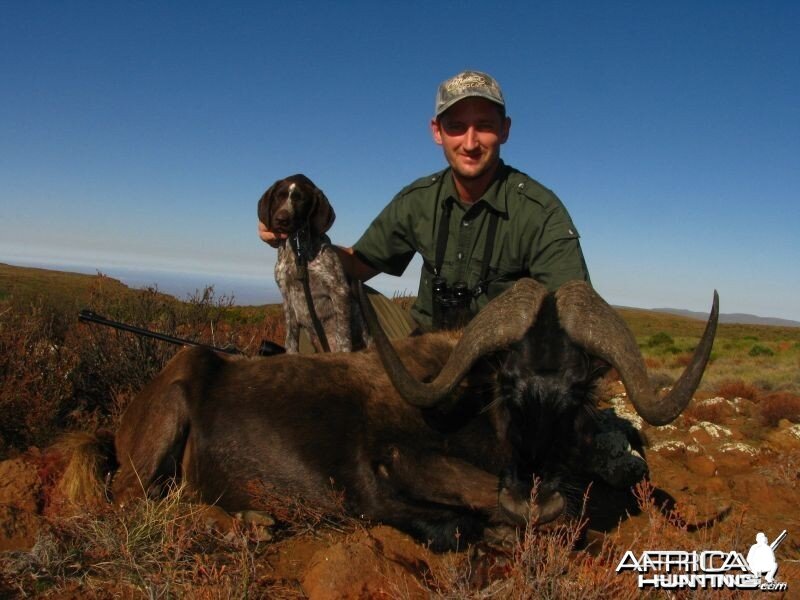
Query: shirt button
[[521, 185], [460, 256], [465, 223]]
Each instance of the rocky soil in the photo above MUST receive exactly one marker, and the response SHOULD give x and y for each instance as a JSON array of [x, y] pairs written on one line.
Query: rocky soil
[[716, 460]]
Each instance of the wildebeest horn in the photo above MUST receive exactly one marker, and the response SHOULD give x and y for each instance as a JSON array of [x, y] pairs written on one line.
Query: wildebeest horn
[[503, 321], [591, 323]]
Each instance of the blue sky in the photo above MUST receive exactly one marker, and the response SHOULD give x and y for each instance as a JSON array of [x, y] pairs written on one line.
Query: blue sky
[[141, 134]]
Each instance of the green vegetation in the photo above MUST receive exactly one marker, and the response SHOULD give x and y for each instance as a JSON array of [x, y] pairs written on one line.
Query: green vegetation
[[23, 285], [759, 350], [660, 339], [771, 364]]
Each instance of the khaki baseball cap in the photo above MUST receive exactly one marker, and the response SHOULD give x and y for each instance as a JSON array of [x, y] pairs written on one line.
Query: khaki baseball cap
[[467, 84]]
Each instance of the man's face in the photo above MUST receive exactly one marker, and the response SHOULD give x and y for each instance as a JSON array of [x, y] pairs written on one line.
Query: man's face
[[471, 132]]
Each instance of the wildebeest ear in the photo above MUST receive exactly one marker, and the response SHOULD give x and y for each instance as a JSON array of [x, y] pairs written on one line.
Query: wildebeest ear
[[265, 205], [322, 216], [598, 368]]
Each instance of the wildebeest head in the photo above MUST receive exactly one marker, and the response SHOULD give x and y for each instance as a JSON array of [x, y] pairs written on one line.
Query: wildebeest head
[[549, 349], [293, 202]]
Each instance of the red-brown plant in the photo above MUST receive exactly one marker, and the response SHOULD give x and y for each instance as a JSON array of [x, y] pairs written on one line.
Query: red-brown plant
[[774, 407]]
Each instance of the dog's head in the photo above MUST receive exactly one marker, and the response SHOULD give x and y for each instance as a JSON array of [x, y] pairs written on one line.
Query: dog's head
[[292, 202]]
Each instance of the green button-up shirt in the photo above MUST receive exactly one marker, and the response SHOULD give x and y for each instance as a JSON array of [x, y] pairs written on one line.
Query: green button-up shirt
[[535, 237]]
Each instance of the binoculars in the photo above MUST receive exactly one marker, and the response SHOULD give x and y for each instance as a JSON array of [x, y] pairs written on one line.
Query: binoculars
[[450, 304]]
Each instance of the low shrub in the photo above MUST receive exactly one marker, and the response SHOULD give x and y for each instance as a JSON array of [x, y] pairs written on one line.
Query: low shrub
[[713, 412], [57, 374], [759, 350], [737, 388], [681, 360], [779, 405], [660, 339], [653, 363], [36, 377]]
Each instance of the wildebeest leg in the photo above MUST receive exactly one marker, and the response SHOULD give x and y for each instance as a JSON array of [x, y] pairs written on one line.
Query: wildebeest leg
[[446, 502], [452, 481], [151, 440], [441, 479]]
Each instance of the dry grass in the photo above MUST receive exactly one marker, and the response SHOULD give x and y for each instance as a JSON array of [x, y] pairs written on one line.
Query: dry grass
[[164, 549], [57, 374], [768, 357], [152, 548], [558, 563], [296, 516]]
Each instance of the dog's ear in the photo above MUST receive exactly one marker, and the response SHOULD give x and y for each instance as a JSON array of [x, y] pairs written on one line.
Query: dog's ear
[[265, 205], [322, 215]]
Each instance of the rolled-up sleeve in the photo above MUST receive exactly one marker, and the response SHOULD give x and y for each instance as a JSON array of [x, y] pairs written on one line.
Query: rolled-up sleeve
[[387, 243], [556, 256]]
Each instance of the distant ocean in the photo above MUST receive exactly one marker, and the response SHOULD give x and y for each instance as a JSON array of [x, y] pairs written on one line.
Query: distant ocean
[[245, 290]]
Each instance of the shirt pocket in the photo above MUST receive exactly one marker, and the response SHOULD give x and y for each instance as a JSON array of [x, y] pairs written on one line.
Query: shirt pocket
[[503, 274]]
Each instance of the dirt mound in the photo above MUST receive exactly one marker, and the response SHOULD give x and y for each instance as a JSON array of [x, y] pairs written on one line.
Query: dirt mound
[[20, 502]]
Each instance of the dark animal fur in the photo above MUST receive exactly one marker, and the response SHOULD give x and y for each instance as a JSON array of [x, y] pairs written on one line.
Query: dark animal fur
[[300, 422]]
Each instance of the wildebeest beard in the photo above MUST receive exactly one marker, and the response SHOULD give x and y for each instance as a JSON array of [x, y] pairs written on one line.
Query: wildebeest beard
[[549, 392]]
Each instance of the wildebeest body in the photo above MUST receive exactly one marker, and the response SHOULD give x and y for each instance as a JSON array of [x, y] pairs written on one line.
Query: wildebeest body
[[302, 436]]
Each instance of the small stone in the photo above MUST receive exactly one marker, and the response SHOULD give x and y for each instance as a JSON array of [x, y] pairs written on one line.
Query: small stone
[[702, 465]]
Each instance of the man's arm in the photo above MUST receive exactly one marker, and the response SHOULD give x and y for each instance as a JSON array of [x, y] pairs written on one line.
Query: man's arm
[[354, 267]]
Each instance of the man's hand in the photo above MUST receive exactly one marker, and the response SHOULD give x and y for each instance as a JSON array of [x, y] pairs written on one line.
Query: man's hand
[[353, 266], [270, 237]]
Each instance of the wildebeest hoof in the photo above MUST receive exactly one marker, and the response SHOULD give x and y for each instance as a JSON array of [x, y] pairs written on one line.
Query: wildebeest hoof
[[501, 535], [521, 511], [516, 508], [548, 509], [256, 517], [258, 524]]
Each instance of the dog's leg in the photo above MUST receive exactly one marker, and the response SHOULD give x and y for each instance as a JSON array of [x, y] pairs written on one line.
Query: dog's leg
[[286, 278], [342, 306], [343, 332], [292, 329]]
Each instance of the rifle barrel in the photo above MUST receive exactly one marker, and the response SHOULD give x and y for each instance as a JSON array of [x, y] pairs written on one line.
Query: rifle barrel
[[92, 317]]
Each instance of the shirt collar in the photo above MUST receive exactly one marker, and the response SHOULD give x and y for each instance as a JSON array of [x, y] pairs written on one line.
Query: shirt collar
[[494, 196]]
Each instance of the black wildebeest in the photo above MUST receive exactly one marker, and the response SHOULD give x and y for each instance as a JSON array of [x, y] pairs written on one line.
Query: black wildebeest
[[454, 449]]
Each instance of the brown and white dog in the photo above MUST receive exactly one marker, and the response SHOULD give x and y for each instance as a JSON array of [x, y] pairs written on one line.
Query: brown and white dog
[[297, 207]]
